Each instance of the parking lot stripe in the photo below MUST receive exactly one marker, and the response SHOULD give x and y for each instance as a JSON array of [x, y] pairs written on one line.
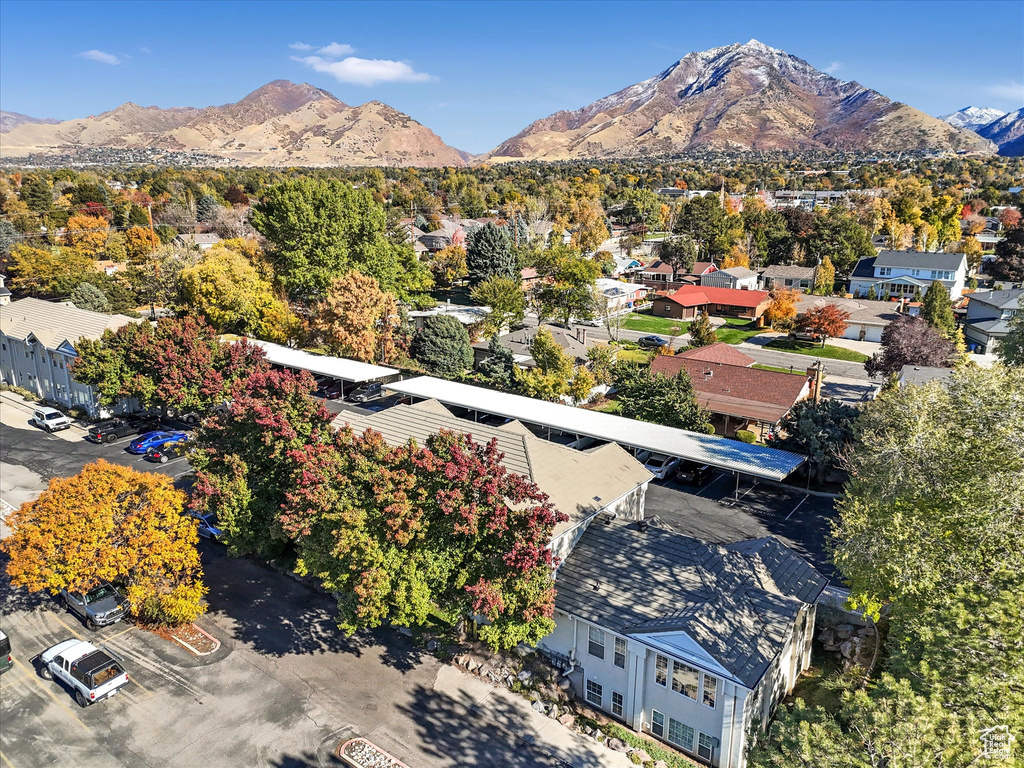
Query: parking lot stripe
[[66, 626], [45, 689], [7, 762], [123, 631], [797, 507], [4, 682]]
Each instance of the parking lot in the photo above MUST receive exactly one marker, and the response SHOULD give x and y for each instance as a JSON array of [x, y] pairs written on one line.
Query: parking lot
[[718, 513]]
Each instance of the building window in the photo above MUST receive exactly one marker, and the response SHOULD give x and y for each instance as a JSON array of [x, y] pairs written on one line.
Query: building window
[[657, 723], [660, 670], [680, 734], [685, 680], [710, 689], [616, 703], [619, 660], [884, 271], [705, 746], [595, 646], [595, 693]]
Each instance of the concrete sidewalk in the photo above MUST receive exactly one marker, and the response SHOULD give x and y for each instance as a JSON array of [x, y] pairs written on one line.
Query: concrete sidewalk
[[15, 412]]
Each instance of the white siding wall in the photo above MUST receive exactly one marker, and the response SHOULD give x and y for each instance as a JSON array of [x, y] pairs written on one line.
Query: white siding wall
[[42, 371]]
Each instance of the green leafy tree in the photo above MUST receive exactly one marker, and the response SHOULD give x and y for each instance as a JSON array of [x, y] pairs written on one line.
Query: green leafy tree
[[47, 272], [838, 236], [937, 310], [499, 367], [505, 298], [206, 209], [8, 237], [36, 194], [702, 332], [679, 252], [1011, 348], [88, 296], [668, 400], [320, 229], [550, 378], [442, 346], [567, 293], [822, 431], [489, 253], [704, 220]]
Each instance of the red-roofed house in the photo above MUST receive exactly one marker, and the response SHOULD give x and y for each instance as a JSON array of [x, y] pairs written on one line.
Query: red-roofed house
[[737, 396], [686, 302], [720, 352]]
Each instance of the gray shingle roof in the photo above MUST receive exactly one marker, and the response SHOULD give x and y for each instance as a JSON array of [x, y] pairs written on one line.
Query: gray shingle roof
[[999, 299], [737, 602], [53, 323], [920, 259], [865, 268], [739, 272], [788, 272]]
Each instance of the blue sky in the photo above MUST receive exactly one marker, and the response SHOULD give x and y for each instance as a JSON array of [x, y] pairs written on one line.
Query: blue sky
[[479, 72]]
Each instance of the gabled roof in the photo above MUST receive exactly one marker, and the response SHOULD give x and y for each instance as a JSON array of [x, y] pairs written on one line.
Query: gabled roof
[[719, 352], [52, 323], [999, 299], [778, 271], [737, 602], [920, 260], [714, 295], [579, 483], [739, 272], [658, 266], [700, 267], [200, 238]]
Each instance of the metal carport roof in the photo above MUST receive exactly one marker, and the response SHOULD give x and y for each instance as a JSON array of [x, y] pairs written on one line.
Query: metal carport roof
[[323, 365], [720, 452]]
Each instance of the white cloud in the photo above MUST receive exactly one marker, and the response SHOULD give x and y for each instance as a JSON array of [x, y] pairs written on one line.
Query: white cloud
[[365, 71], [100, 56], [835, 66], [336, 50], [144, 50], [301, 46], [1008, 91]]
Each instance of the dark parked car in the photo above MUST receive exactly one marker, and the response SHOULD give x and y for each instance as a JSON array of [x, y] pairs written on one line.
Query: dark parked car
[[651, 342], [329, 389], [170, 449], [6, 662], [99, 607], [366, 392], [692, 473], [144, 442], [111, 430]]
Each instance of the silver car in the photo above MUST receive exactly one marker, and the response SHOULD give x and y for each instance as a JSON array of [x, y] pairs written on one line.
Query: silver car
[[99, 607]]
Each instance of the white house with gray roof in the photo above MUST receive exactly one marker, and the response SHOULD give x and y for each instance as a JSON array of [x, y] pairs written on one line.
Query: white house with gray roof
[[690, 642], [37, 346], [899, 274], [737, 278]]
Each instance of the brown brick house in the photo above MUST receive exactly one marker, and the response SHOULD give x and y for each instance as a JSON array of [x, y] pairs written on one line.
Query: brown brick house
[[688, 301]]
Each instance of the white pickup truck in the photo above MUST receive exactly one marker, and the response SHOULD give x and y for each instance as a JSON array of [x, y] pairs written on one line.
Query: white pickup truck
[[93, 674]]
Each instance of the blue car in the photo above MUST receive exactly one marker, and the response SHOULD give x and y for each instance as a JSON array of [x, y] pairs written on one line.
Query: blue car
[[148, 440]]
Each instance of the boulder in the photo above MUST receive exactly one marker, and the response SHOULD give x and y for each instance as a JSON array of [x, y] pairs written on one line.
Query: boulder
[[432, 644], [522, 651], [641, 755], [553, 712], [866, 631], [568, 719], [618, 745], [538, 706], [565, 684], [524, 676], [847, 649], [844, 631]]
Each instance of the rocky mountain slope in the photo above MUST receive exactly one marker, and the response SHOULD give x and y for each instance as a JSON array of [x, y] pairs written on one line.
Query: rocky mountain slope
[[9, 120], [280, 124], [1006, 132], [738, 97], [972, 118]]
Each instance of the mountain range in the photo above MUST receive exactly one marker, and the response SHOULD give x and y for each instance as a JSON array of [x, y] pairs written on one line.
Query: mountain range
[[741, 97], [9, 120], [972, 118], [279, 124]]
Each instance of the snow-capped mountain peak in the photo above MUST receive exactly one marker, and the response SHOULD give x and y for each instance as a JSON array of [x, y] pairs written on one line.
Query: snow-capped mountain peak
[[972, 118]]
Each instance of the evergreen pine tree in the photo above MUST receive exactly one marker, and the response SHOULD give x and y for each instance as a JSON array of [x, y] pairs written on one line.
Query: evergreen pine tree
[[702, 332]]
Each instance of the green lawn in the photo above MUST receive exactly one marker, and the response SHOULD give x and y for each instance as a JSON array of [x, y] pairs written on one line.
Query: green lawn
[[610, 406], [737, 330], [642, 356], [813, 349], [664, 326], [797, 370]]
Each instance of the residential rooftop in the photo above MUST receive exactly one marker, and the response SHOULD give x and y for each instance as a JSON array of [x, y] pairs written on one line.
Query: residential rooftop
[[53, 323], [736, 603]]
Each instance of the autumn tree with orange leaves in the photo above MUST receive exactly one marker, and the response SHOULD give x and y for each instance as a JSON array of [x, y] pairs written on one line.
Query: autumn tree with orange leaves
[[356, 319], [111, 523], [782, 307], [87, 235]]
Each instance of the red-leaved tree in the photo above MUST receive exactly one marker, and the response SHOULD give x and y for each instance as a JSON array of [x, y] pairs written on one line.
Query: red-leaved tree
[[826, 322]]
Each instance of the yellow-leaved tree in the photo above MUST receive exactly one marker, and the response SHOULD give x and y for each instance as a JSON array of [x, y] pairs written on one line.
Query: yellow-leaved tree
[[87, 235], [111, 523], [356, 319]]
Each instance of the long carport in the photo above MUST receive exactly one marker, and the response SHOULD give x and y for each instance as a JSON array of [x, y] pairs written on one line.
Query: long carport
[[342, 369], [719, 452]]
